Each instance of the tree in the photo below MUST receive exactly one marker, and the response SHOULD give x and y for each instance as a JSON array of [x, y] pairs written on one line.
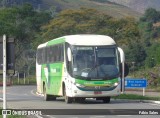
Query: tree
[[153, 56], [151, 15], [149, 30], [80, 21], [135, 53], [22, 23], [90, 21]]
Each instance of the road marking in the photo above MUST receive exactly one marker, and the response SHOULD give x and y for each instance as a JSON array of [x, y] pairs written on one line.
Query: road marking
[[155, 104], [38, 116], [107, 116], [36, 94], [123, 115], [50, 116], [1, 98], [97, 117], [33, 92]]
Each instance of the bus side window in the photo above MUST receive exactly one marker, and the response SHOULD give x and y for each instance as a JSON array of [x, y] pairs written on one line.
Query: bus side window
[[39, 56], [62, 53], [43, 55], [49, 54], [53, 54]]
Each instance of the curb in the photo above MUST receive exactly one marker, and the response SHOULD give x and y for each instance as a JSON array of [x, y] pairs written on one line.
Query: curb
[[7, 84], [151, 101], [145, 101]]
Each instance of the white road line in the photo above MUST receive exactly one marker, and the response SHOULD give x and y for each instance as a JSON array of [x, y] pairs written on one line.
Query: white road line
[[97, 116], [50, 116], [33, 92], [155, 104], [36, 94], [123, 115], [38, 116]]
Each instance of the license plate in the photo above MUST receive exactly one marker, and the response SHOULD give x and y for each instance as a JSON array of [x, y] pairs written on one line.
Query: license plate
[[97, 92]]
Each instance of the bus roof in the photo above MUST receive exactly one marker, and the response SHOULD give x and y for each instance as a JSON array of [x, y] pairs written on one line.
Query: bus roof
[[82, 39], [89, 40]]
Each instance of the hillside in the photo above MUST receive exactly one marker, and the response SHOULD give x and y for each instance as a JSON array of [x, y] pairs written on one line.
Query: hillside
[[115, 10], [139, 5], [107, 7]]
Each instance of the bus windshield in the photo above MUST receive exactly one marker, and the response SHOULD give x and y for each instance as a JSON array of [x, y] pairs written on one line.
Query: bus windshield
[[95, 62]]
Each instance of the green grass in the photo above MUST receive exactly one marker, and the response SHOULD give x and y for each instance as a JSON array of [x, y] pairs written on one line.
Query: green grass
[[145, 73], [31, 80], [13, 116], [136, 97]]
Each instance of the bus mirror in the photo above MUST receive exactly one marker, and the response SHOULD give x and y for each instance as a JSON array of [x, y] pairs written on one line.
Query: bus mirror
[[126, 69], [69, 54], [122, 56]]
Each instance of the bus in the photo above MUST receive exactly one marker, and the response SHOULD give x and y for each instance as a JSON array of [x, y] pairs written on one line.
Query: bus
[[79, 67]]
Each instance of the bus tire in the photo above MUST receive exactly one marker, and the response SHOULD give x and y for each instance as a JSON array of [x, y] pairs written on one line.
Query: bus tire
[[67, 98], [53, 97], [106, 99], [80, 100], [46, 96]]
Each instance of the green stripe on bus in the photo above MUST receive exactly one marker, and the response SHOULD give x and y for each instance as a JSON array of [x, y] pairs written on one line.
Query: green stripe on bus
[[56, 41], [99, 83]]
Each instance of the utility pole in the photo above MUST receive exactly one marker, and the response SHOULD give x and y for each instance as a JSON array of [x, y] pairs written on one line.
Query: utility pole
[[6, 65], [4, 74]]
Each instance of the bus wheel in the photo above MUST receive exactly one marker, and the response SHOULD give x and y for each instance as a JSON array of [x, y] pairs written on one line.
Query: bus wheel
[[106, 99], [46, 96], [67, 99], [80, 100], [52, 97]]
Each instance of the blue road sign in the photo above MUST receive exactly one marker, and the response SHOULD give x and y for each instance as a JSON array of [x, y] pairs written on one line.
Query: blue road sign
[[135, 83]]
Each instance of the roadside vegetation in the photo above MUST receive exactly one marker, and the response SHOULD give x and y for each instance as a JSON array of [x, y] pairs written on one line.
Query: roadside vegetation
[[136, 97], [14, 116], [140, 39]]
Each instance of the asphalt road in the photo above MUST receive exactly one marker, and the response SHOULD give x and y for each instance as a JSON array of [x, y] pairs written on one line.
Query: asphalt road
[[25, 97]]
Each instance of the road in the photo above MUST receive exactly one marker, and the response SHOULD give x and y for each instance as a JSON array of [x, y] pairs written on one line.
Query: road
[[25, 97]]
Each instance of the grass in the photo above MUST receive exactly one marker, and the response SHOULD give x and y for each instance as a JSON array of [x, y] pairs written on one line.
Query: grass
[[136, 97], [26, 81], [146, 73], [31, 80], [13, 116]]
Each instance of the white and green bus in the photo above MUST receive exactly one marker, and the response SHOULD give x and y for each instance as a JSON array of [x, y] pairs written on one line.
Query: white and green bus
[[79, 67]]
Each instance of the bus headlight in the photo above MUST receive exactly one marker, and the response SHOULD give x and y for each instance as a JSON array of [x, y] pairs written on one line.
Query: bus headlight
[[116, 84], [80, 85]]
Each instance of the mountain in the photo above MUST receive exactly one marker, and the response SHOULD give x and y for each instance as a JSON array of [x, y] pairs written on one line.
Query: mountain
[[12, 3], [105, 6], [139, 5]]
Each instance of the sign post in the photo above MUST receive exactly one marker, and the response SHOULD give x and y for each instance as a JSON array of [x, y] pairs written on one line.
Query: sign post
[[143, 91], [6, 64], [4, 74], [136, 83], [10, 55]]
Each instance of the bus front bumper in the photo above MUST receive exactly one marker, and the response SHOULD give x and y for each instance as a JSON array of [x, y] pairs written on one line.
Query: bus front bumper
[[76, 92]]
